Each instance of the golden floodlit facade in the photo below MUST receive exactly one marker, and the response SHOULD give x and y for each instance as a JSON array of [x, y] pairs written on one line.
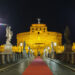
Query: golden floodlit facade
[[39, 38]]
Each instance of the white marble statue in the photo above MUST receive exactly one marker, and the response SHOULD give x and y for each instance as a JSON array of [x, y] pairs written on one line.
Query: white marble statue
[[9, 35]]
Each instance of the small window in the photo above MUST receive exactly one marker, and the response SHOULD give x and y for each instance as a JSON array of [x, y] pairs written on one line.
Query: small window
[[32, 28]]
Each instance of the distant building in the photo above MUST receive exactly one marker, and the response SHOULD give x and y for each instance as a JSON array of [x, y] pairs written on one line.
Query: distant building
[[39, 38]]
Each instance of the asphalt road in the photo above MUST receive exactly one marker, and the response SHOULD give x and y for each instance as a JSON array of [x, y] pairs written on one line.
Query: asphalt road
[[58, 69]]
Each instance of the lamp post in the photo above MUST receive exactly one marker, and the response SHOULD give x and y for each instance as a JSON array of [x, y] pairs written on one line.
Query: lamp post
[[52, 51], [55, 46], [48, 51], [21, 44]]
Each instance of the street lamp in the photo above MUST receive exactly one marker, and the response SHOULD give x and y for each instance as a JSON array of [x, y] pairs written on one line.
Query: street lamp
[[48, 48], [21, 44], [55, 44]]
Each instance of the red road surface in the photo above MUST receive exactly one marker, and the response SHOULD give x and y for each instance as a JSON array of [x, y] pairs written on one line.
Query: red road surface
[[37, 67]]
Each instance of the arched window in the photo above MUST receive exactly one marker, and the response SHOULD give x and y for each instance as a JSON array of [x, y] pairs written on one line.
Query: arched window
[[32, 28]]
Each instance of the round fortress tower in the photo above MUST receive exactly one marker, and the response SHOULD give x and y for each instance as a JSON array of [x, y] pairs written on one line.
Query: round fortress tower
[[39, 38]]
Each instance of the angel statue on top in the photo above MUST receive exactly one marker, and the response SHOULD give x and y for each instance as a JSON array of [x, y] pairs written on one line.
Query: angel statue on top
[[9, 34]]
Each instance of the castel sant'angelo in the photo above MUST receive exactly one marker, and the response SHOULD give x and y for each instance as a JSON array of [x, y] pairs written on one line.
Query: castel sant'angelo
[[39, 38]]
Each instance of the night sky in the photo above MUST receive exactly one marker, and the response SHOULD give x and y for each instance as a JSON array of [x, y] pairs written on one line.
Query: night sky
[[20, 14]]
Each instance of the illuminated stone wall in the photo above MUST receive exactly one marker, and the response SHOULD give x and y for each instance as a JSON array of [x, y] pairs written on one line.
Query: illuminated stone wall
[[39, 38]]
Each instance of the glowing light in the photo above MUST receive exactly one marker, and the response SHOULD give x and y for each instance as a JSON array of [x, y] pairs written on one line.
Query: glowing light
[[55, 44], [29, 48], [3, 24], [21, 44], [48, 48]]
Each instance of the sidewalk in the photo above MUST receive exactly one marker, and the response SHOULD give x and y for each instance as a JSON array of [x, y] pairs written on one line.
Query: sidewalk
[[70, 66], [6, 66]]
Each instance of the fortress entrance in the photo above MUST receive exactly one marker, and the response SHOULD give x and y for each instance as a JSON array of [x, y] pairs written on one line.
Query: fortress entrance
[[38, 53], [39, 38]]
